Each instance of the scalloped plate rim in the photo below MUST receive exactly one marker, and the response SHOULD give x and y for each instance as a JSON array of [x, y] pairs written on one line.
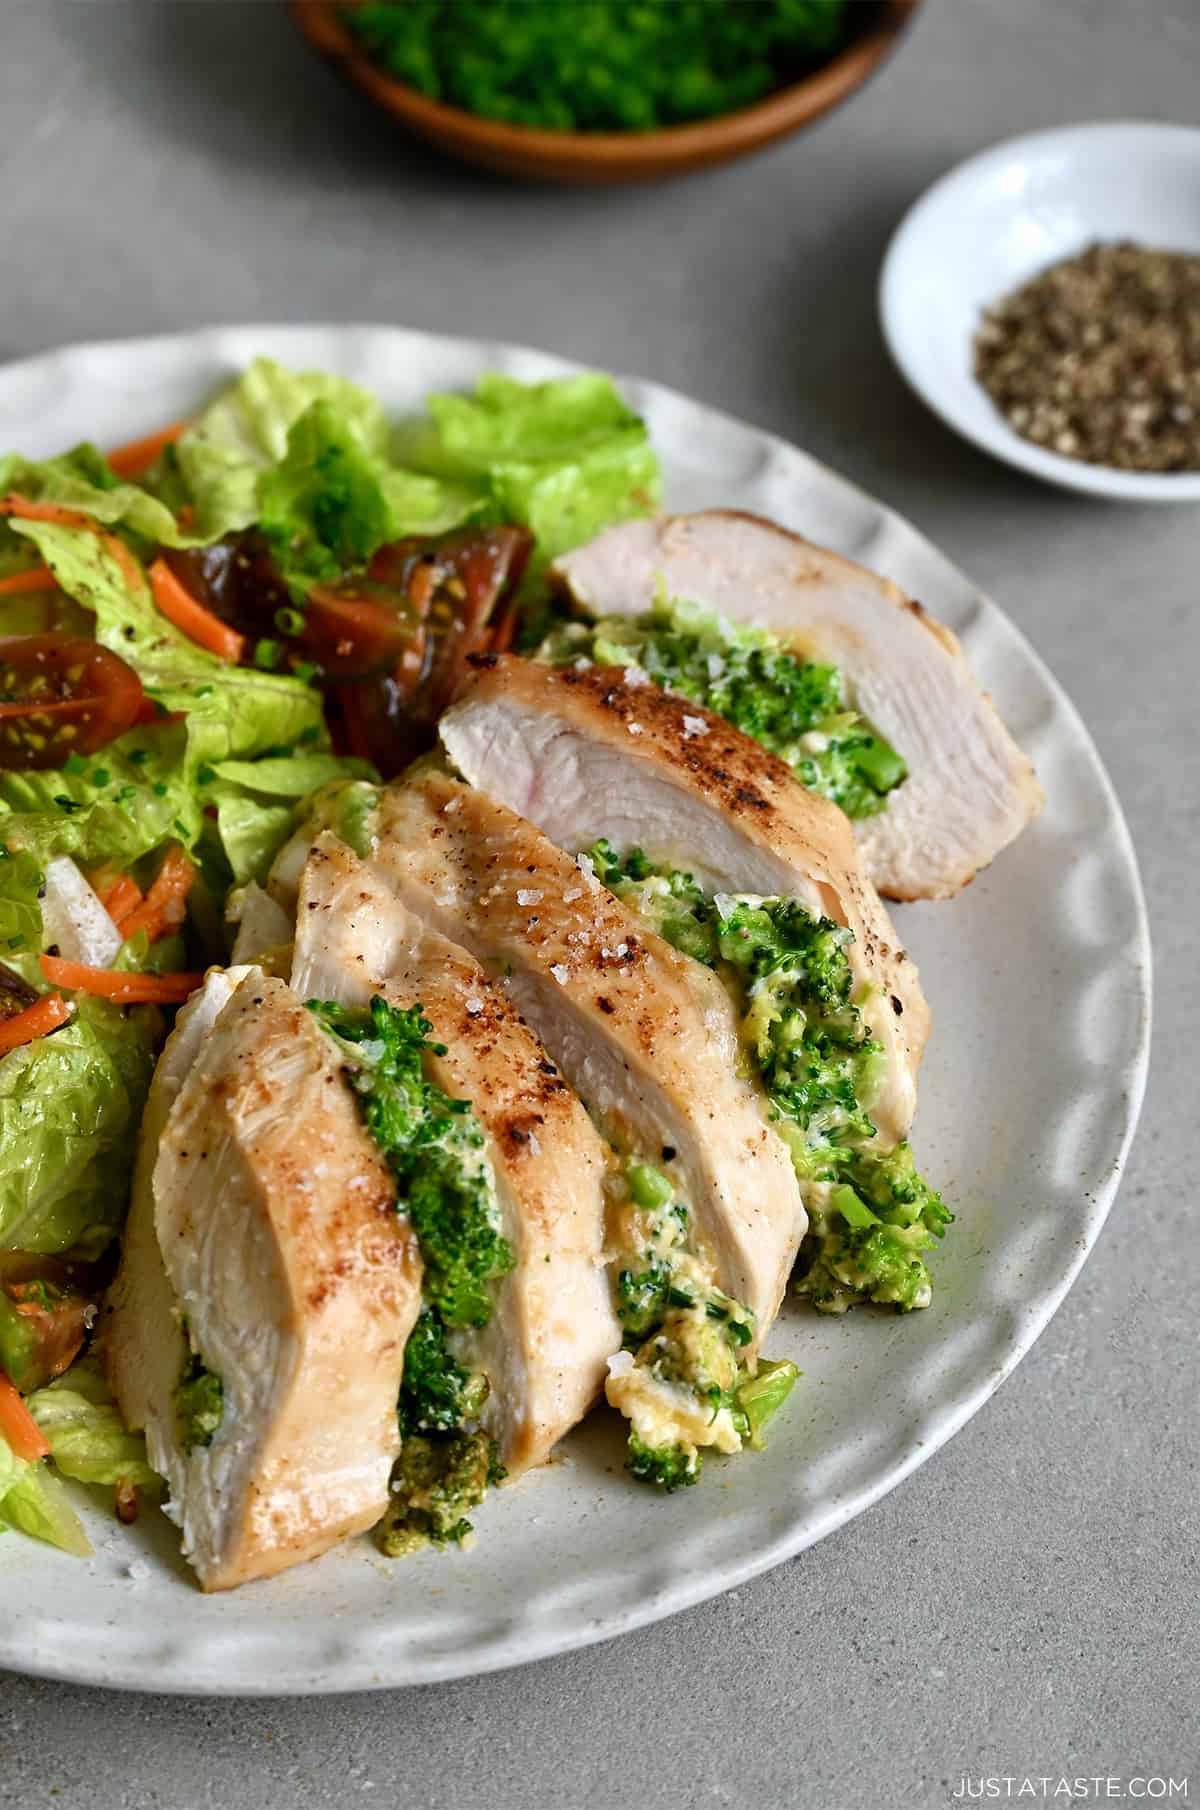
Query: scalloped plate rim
[[144, 1670]]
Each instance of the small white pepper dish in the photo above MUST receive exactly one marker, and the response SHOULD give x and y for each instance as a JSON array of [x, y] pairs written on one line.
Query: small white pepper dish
[[992, 224]]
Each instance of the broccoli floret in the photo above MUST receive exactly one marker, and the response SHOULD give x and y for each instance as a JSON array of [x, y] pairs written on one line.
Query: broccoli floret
[[670, 1467], [436, 1393], [876, 1263], [866, 1244], [434, 1148], [435, 1484]]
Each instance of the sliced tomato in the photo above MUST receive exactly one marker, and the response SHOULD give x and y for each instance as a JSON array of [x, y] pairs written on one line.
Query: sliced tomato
[[235, 579], [357, 627], [459, 585], [61, 695]]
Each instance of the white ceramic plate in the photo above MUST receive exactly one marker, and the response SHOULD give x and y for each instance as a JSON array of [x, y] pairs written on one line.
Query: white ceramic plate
[[992, 224], [1038, 978]]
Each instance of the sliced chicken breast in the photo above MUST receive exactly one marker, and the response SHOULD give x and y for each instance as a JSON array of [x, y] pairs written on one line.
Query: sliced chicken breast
[[297, 1282], [141, 1337], [545, 1349], [970, 790], [589, 754], [646, 1037]]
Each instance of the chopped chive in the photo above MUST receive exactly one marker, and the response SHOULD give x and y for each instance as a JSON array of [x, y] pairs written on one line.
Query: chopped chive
[[101, 776], [289, 621], [266, 654], [74, 763], [159, 790]]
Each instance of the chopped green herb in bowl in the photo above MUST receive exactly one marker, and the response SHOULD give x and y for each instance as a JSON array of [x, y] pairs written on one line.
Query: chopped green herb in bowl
[[597, 65]]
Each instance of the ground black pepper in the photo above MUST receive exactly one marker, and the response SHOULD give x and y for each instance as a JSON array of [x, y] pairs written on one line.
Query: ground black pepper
[[1098, 358]]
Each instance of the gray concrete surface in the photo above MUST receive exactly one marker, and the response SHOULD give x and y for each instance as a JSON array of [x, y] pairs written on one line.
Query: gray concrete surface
[[1026, 1604]]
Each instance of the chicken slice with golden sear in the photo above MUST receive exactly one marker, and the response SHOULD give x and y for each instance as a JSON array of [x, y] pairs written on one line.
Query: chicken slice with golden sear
[[552, 1328], [593, 754], [267, 1290], [647, 1038], [969, 791]]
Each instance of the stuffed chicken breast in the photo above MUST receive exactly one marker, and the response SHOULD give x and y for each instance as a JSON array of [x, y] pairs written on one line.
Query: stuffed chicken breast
[[968, 790]]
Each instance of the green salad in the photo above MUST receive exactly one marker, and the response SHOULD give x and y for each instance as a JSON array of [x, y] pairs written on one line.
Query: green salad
[[197, 632]]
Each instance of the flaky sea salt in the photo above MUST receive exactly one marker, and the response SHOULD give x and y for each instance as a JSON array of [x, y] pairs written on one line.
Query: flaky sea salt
[[634, 728], [529, 895], [561, 973], [474, 1005], [636, 675], [587, 868], [694, 725]]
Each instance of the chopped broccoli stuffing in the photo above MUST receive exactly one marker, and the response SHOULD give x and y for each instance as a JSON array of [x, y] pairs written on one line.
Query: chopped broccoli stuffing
[[434, 1486], [679, 1383], [434, 1148], [871, 1214], [670, 1467], [796, 708], [199, 1404], [437, 1395]]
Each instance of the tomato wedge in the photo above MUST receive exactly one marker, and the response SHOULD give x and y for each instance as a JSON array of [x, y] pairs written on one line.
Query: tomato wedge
[[460, 587], [358, 627], [62, 695]]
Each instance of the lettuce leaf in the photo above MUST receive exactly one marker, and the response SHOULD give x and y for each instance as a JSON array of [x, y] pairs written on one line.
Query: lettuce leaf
[[311, 459], [244, 432], [331, 501], [69, 1111], [83, 479], [564, 458], [88, 1440], [34, 1501]]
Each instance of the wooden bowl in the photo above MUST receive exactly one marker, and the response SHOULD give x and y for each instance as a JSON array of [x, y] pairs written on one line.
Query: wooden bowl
[[600, 157]]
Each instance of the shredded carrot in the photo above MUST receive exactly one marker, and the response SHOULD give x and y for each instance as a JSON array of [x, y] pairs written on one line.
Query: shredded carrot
[[131, 569], [37, 1020], [38, 579], [18, 1425], [27, 510], [123, 989], [165, 904], [185, 515], [25, 507], [121, 897], [125, 1501], [191, 618], [137, 456]]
